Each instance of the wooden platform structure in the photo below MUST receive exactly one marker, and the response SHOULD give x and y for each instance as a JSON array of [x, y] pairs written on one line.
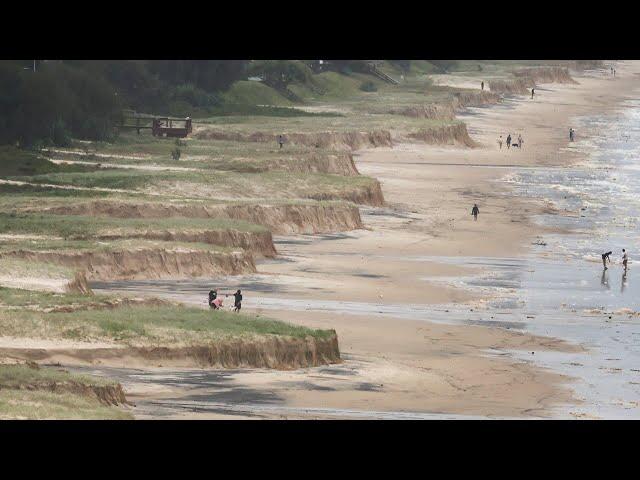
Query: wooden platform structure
[[160, 126]]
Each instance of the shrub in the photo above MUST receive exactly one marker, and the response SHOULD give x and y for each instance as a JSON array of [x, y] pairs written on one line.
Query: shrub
[[368, 86]]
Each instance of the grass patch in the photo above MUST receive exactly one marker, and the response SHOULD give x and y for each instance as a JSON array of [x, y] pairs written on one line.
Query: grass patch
[[42, 405], [270, 184], [15, 161], [25, 393], [16, 297], [246, 92], [135, 325], [16, 376], [77, 226]]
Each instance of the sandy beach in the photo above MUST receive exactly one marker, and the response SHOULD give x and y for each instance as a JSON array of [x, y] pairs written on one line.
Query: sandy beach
[[408, 363]]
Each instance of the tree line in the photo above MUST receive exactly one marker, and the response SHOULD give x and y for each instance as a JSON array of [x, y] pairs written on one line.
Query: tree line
[[53, 100]]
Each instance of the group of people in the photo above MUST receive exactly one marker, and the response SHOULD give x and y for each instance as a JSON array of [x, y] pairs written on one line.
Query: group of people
[[215, 301], [606, 257], [510, 142]]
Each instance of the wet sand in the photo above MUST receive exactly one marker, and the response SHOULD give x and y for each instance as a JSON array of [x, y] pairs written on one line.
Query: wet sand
[[408, 363]]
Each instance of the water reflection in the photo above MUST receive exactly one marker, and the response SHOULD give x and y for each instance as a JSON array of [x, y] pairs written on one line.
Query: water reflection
[[604, 280]]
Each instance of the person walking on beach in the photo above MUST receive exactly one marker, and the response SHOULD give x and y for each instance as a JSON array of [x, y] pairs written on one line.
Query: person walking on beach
[[520, 141], [605, 257], [625, 259], [280, 140], [509, 141], [475, 211], [500, 142], [482, 85], [532, 92], [571, 134]]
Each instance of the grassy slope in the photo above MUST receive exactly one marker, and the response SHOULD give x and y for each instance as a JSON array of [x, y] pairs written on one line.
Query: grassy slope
[[25, 394], [247, 92], [76, 226], [273, 184], [138, 325], [14, 161]]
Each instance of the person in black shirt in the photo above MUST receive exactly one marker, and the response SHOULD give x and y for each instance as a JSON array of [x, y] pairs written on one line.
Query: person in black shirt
[[475, 211], [237, 304], [605, 257]]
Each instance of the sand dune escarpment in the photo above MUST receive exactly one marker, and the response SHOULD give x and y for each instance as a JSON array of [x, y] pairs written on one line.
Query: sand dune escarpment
[[446, 135], [339, 140], [268, 351], [144, 263], [280, 219]]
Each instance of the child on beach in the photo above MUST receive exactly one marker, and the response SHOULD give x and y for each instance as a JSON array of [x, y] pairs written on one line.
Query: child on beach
[[212, 296], [217, 304]]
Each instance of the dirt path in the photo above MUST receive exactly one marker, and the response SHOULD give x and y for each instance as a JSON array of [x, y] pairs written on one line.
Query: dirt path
[[147, 167]]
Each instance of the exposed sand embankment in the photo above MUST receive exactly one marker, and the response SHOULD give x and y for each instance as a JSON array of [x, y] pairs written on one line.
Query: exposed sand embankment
[[280, 219], [144, 263], [448, 111], [255, 243], [336, 164], [352, 140], [527, 78], [268, 351], [444, 135]]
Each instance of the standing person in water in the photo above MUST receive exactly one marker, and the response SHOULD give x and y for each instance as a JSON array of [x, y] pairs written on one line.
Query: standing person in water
[[475, 211], [509, 141], [625, 259], [605, 258], [500, 142], [237, 303]]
